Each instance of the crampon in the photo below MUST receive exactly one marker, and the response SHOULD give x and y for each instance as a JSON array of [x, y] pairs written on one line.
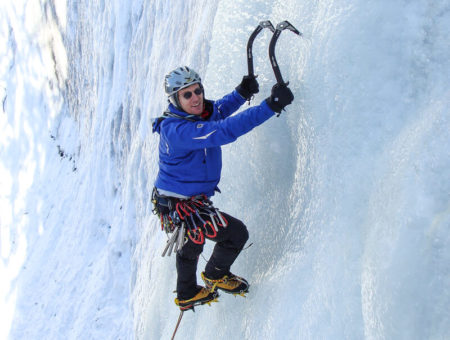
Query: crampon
[[230, 283]]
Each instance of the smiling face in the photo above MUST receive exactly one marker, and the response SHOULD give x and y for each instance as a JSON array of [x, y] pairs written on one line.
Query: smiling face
[[191, 99]]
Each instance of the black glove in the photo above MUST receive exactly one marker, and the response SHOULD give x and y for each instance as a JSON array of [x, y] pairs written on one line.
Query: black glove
[[280, 98], [248, 87]]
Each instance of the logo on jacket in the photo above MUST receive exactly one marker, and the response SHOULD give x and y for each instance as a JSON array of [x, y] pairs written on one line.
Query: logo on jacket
[[205, 136]]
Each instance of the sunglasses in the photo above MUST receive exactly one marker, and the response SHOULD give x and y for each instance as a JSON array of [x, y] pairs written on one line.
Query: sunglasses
[[188, 94]]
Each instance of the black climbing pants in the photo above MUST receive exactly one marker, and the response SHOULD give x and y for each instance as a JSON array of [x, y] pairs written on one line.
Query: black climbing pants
[[229, 242]]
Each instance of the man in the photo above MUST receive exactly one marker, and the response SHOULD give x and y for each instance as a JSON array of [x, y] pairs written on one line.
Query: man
[[190, 161]]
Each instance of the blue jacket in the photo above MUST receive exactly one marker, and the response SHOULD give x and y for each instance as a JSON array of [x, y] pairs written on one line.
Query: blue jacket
[[190, 156]]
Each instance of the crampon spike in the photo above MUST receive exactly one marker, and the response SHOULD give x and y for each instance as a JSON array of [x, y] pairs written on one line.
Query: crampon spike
[[243, 294]]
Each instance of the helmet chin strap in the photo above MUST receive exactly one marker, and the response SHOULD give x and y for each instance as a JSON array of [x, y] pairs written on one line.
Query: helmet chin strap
[[173, 99]]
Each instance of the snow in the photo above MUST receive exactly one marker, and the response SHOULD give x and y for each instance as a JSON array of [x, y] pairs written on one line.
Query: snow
[[346, 195]]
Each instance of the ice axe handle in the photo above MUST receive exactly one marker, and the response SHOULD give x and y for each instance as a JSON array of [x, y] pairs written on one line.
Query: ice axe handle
[[258, 29], [273, 60]]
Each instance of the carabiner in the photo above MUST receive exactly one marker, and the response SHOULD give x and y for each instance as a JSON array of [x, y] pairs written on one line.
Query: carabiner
[[223, 220], [179, 206], [213, 220], [192, 225], [214, 233], [162, 222], [198, 203], [187, 206], [200, 239]]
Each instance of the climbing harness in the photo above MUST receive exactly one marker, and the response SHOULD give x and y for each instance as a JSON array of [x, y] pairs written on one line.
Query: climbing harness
[[194, 218]]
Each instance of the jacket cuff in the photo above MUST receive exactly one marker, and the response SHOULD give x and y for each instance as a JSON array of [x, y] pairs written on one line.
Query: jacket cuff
[[239, 96]]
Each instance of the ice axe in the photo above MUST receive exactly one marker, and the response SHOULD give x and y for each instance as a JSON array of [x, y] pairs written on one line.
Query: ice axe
[[273, 60], [259, 28]]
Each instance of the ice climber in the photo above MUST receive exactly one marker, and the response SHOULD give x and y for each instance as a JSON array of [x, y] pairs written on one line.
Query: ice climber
[[191, 132]]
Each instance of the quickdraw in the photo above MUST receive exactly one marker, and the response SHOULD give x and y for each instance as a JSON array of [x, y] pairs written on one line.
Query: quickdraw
[[207, 224], [194, 219]]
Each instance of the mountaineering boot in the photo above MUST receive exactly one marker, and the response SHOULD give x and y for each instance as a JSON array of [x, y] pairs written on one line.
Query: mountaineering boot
[[229, 283], [203, 296]]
